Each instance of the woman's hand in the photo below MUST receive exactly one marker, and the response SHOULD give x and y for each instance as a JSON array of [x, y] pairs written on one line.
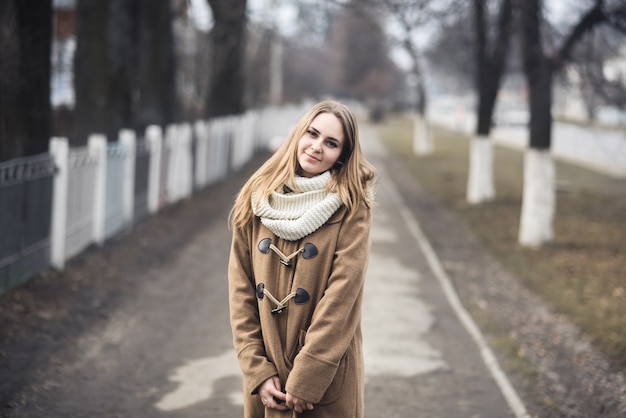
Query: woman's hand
[[269, 391], [297, 404]]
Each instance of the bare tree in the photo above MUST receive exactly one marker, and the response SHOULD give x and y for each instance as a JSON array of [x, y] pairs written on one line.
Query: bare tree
[[123, 66], [307, 59], [25, 48], [491, 54], [257, 65], [156, 77], [453, 68], [593, 54], [228, 47], [411, 17], [122, 60], [91, 70], [538, 204], [361, 64]]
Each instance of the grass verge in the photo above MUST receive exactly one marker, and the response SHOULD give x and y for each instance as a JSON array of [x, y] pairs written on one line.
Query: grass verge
[[582, 273]]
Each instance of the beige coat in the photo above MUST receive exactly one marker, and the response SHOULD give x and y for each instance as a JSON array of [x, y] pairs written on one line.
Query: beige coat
[[314, 347]]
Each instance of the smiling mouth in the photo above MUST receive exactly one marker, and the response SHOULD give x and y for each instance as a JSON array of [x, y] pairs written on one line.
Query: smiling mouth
[[311, 157]]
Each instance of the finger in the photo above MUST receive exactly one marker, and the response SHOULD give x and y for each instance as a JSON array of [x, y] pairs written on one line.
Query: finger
[[297, 407], [276, 381], [276, 393], [309, 406], [275, 405], [300, 406], [279, 397]]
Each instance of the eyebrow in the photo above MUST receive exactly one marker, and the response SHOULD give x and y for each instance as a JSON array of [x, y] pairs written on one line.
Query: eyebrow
[[329, 137]]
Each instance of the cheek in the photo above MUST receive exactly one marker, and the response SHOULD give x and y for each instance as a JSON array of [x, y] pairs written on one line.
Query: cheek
[[302, 144]]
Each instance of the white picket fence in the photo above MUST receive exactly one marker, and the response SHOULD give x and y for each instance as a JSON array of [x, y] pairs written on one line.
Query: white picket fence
[[94, 193]]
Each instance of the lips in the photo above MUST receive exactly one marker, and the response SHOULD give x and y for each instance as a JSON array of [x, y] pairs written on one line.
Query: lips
[[310, 157]]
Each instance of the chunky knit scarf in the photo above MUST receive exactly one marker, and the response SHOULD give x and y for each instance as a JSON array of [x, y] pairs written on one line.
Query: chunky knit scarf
[[293, 215]]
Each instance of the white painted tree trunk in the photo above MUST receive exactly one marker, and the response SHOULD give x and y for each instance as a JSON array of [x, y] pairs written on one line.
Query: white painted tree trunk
[[480, 186], [276, 70], [422, 139], [154, 137], [539, 201]]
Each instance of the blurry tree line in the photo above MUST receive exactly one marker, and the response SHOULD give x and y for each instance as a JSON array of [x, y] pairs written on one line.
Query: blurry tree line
[[336, 48], [136, 63], [142, 62], [475, 44]]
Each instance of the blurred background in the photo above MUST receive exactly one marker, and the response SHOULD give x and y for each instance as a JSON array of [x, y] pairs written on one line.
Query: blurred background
[[70, 67], [149, 96], [143, 101]]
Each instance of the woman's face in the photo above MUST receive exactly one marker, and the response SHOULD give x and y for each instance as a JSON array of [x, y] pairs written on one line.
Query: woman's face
[[320, 146]]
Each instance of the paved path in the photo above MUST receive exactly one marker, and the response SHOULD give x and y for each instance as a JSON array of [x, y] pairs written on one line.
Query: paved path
[[164, 348], [420, 360]]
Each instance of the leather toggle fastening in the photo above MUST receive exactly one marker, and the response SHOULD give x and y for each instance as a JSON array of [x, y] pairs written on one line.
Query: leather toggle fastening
[[300, 297], [308, 251]]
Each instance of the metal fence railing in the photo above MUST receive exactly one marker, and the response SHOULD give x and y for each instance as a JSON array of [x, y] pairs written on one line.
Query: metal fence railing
[[25, 206], [54, 205]]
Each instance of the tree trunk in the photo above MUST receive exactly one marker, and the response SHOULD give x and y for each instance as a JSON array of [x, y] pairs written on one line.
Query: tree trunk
[[540, 94], [91, 70], [539, 201], [480, 182], [422, 138], [156, 76], [228, 36], [25, 48], [538, 206], [276, 68], [489, 71], [122, 39], [480, 177]]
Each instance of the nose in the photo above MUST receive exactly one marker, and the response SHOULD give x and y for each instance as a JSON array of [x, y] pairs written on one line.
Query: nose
[[315, 146]]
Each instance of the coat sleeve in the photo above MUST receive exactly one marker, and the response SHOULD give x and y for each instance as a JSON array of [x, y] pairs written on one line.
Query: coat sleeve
[[338, 313], [244, 314]]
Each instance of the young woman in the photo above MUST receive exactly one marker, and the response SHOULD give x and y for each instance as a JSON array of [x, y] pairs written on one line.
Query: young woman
[[298, 258]]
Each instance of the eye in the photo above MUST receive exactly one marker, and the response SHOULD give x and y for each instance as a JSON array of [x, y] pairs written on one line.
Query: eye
[[312, 133], [332, 144]]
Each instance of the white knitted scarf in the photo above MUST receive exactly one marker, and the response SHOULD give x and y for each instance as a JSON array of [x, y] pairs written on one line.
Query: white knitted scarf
[[293, 215]]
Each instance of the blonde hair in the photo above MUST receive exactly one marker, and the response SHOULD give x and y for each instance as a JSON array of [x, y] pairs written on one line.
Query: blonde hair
[[351, 177]]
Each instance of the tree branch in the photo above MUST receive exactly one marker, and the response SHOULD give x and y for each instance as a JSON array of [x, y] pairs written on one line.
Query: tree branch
[[594, 16], [617, 18]]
